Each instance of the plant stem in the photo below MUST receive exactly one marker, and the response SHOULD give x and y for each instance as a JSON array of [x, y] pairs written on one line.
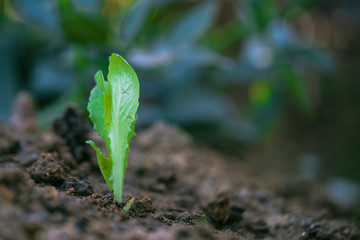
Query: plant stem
[[118, 158]]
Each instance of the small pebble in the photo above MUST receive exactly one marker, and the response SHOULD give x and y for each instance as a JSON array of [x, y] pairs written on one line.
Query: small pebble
[[71, 191]]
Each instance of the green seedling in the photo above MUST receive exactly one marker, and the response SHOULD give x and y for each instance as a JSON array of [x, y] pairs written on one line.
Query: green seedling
[[112, 107], [129, 204]]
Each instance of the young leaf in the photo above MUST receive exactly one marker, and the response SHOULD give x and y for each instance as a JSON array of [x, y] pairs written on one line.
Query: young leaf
[[128, 205], [112, 107]]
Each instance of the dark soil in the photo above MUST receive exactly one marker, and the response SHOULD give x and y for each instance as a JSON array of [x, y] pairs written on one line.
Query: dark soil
[[51, 188]]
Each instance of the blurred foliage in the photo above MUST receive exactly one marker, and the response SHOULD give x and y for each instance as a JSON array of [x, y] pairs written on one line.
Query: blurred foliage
[[190, 56]]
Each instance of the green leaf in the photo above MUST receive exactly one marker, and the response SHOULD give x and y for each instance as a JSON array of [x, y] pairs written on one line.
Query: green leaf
[[194, 23], [105, 165], [129, 204], [112, 106]]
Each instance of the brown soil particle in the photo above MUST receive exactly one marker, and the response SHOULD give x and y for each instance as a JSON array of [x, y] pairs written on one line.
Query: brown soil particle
[[141, 207], [9, 143], [71, 128], [48, 169], [49, 189], [77, 186]]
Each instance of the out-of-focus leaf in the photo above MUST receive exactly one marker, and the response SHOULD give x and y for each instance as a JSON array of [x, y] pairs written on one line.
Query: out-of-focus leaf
[[2, 7], [83, 28], [283, 36], [162, 55], [115, 6], [134, 20], [221, 38], [51, 77], [17, 43], [76, 28], [154, 57], [260, 12], [297, 88], [197, 56], [265, 105], [258, 52], [260, 92], [194, 23], [194, 105], [43, 14], [87, 6], [239, 72], [264, 12]]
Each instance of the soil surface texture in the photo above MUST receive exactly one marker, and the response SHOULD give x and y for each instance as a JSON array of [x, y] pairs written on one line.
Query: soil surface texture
[[51, 188]]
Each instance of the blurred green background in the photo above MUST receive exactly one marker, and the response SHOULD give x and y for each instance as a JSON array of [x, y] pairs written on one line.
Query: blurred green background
[[236, 74]]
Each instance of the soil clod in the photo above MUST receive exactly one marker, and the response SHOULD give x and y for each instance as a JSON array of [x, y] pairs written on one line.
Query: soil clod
[[48, 169], [77, 186], [71, 128]]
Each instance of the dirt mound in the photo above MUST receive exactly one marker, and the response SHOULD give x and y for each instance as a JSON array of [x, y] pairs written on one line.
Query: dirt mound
[[51, 188]]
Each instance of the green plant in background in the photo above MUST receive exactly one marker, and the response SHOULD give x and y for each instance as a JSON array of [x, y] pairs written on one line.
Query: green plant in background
[[219, 54], [112, 106]]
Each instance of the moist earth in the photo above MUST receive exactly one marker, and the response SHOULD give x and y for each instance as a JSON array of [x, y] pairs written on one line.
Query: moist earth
[[51, 188]]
